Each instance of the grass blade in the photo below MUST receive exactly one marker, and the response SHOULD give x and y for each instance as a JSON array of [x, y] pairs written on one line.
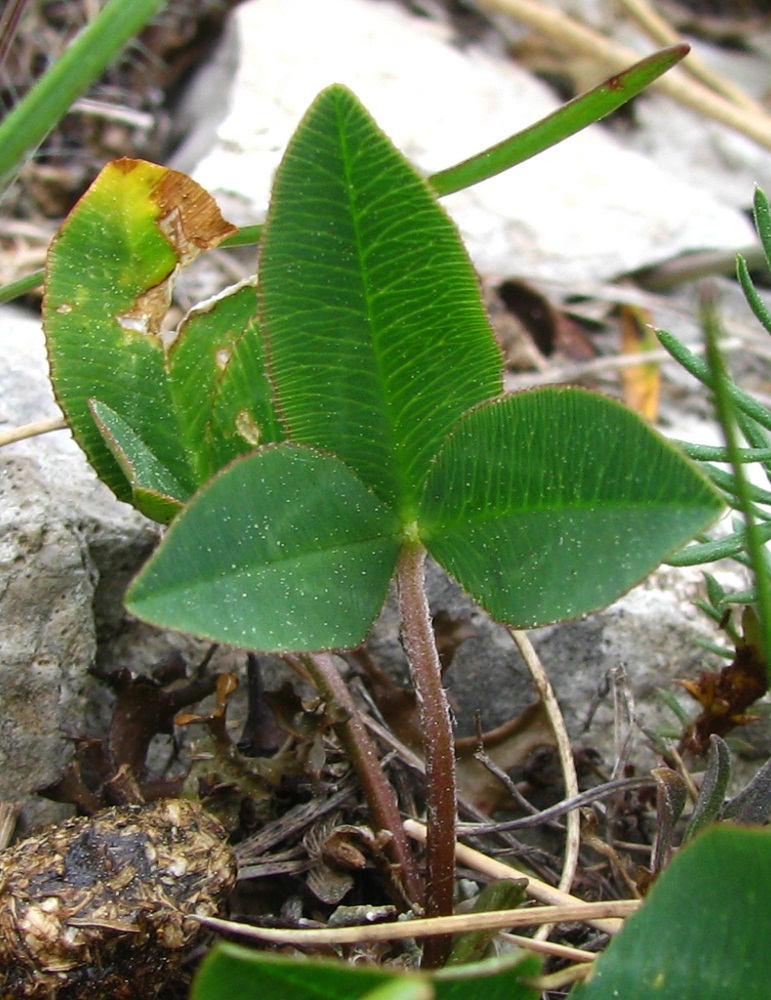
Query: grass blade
[[22, 131], [586, 109]]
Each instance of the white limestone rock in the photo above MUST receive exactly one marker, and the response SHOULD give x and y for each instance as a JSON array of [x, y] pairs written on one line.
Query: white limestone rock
[[587, 209]]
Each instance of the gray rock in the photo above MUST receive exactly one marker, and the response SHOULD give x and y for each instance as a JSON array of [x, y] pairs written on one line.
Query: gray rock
[[59, 558], [47, 632], [61, 533], [67, 551]]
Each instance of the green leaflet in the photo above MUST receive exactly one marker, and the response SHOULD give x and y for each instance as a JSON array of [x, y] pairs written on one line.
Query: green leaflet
[[377, 334], [284, 550], [154, 490], [548, 504], [109, 254], [218, 384]]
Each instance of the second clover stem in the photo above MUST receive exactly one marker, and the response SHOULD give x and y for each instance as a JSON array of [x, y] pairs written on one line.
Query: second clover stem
[[379, 794], [439, 749]]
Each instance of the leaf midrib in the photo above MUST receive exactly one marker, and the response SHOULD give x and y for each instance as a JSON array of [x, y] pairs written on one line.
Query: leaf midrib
[[369, 299]]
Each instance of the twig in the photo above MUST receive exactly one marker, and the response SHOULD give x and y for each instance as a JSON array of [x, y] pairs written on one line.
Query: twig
[[685, 774], [624, 718], [9, 813], [290, 823], [662, 32], [581, 369], [557, 981], [115, 113], [535, 888], [567, 763], [559, 808], [506, 781], [9, 23], [21, 286], [32, 430], [579, 39], [690, 266], [550, 948], [592, 913], [465, 806]]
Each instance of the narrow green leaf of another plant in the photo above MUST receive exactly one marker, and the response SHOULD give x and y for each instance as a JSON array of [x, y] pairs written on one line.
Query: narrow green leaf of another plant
[[720, 548], [551, 503], [583, 110], [21, 286], [751, 294], [671, 796], [504, 894], [713, 788], [285, 549], [702, 932], [752, 804], [245, 236], [729, 482], [715, 453], [78, 67], [377, 335], [761, 211], [744, 492], [699, 368]]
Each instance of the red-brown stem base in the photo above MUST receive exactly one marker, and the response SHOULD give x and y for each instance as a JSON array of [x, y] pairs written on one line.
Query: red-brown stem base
[[439, 750]]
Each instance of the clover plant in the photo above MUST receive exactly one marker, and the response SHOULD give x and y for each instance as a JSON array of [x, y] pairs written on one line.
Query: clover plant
[[317, 431]]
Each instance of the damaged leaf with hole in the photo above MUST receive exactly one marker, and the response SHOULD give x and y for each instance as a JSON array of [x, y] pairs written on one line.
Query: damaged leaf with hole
[[157, 411]]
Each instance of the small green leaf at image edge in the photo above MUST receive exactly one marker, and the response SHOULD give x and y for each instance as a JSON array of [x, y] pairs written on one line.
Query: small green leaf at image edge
[[233, 972], [703, 931]]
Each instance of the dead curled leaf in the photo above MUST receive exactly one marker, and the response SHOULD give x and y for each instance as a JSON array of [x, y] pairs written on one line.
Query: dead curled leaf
[[113, 770], [726, 696]]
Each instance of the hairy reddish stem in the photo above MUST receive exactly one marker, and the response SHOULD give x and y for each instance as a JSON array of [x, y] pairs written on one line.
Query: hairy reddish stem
[[381, 799], [439, 750]]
